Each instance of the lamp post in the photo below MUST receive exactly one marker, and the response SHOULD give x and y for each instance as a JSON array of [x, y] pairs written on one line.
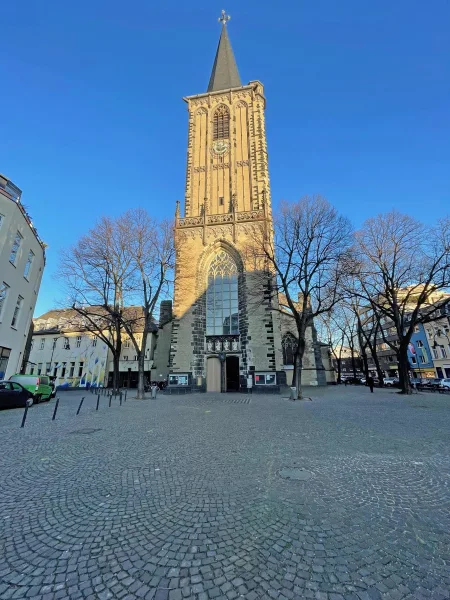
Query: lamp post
[[54, 346]]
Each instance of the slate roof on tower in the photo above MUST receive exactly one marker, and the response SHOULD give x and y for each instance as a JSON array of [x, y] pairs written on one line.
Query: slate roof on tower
[[225, 74]]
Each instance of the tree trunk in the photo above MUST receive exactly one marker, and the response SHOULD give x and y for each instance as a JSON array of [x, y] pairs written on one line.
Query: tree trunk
[[362, 348], [116, 356], [353, 364], [141, 380], [298, 366], [403, 370], [377, 365], [141, 367], [365, 362], [339, 369], [116, 371]]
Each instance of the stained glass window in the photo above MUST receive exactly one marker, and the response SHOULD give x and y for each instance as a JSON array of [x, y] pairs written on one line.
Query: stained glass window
[[222, 316], [289, 345]]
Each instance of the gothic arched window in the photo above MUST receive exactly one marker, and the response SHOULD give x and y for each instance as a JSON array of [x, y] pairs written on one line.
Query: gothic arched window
[[222, 315], [221, 123], [289, 345]]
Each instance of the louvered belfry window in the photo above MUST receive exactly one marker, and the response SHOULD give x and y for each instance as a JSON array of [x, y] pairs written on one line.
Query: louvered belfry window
[[221, 123]]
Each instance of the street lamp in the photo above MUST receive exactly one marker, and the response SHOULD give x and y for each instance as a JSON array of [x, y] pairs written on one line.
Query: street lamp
[[54, 346]]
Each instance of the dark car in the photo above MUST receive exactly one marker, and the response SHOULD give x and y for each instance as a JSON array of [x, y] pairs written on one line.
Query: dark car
[[434, 383], [13, 395]]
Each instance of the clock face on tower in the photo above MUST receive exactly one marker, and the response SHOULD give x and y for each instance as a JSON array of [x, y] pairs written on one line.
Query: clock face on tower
[[220, 147]]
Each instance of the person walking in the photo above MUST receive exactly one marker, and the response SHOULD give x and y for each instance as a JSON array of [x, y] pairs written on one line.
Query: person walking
[[370, 383], [154, 390]]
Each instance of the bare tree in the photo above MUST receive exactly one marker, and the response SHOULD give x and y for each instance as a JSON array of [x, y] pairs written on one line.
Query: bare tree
[[335, 338], [307, 256], [368, 332], [340, 328], [403, 270], [92, 272], [150, 254]]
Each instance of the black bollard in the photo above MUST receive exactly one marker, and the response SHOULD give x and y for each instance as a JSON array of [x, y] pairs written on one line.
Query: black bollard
[[98, 401], [110, 398], [56, 408], [81, 404], [25, 412], [126, 392], [120, 398]]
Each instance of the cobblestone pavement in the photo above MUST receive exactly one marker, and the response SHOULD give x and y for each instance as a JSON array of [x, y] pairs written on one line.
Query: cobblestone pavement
[[223, 497]]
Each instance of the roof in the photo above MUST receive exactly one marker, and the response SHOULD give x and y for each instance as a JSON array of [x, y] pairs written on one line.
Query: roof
[[225, 73], [68, 319]]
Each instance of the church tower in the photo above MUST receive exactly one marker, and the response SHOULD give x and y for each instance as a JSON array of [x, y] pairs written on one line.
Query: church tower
[[223, 329]]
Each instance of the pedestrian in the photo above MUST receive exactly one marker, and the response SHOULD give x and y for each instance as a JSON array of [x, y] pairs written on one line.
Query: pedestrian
[[345, 382], [154, 390], [249, 384], [370, 383]]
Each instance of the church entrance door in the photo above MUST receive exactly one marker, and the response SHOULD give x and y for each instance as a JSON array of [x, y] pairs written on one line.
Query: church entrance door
[[232, 373], [213, 374]]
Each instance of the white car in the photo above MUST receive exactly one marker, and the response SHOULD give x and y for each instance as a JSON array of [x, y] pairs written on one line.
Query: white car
[[445, 383], [390, 381]]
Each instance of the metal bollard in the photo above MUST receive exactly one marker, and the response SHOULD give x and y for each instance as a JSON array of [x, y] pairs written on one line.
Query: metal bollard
[[81, 404], [110, 398], [120, 398], [25, 414], [126, 392], [98, 401], [56, 408]]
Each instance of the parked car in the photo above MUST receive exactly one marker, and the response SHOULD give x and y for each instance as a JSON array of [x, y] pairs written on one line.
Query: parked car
[[351, 380], [434, 383], [416, 381], [445, 383], [13, 395], [390, 381], [38, 385]]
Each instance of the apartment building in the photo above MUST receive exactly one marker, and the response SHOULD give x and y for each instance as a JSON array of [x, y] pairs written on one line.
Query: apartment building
[[62, 347], [22, 261]]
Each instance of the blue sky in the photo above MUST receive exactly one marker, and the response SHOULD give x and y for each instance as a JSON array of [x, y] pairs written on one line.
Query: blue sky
[[92, 120]]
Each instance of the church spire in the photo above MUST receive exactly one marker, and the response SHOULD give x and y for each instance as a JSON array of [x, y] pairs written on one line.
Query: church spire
[[224, 74]]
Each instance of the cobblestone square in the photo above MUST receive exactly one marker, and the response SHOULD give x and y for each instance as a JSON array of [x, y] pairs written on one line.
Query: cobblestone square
[[228, 496]]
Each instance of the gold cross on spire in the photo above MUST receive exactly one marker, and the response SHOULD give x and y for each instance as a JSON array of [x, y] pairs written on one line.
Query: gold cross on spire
[[224, 18]]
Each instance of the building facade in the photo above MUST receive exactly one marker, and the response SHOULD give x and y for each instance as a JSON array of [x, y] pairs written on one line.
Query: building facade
[[429, 348], [438, 337], [347, 363], [226, 327], [22, 261], [419, 354], [78, 358]]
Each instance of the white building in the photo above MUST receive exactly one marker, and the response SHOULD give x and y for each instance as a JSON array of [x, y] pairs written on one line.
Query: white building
[[22, 260], [77, 358]]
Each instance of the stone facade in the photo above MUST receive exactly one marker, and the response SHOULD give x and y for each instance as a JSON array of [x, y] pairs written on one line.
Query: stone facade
[[227, 201]]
